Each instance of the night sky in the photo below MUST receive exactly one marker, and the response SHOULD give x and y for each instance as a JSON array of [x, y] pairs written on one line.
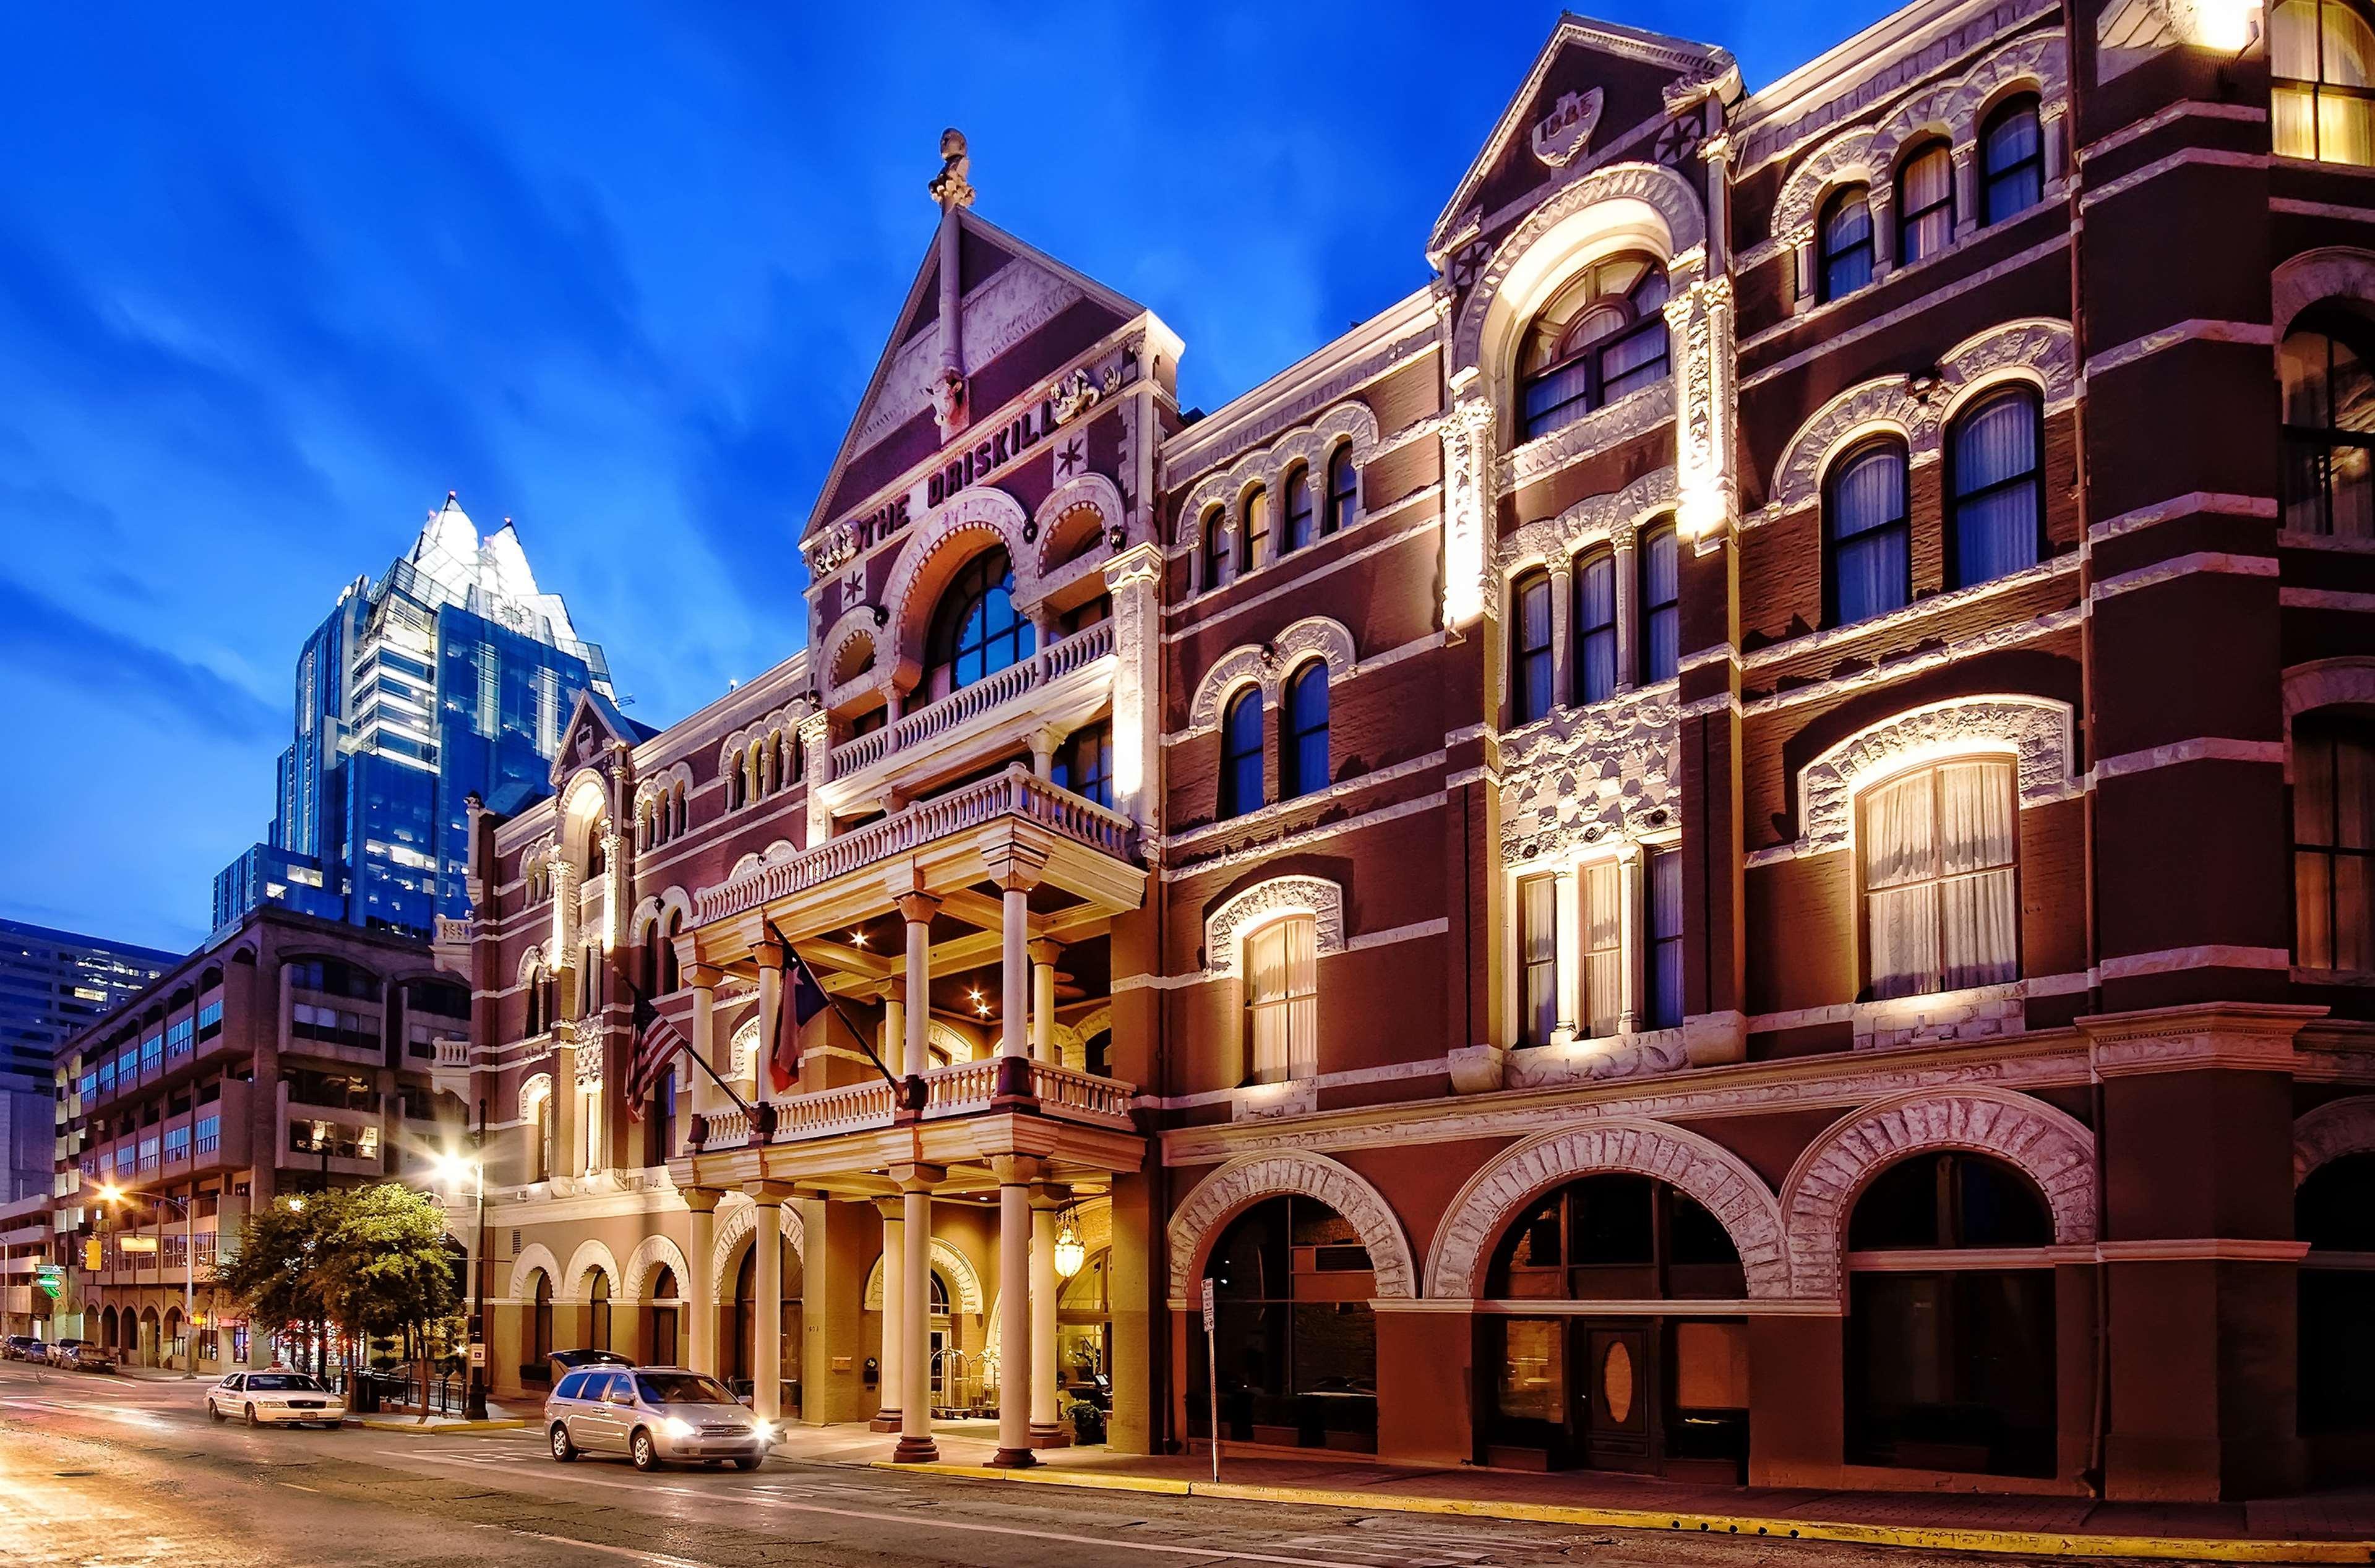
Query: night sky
[[274, 280]]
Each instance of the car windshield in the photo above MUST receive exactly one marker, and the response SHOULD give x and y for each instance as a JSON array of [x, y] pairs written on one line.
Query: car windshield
[[295, 1382], [681, 1389]]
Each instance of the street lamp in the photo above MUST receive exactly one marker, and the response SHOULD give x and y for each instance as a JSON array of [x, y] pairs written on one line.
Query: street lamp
[[450, 1168], [108, 1193]]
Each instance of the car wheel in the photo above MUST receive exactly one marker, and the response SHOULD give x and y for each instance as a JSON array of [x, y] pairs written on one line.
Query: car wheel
[[214, 1411], [645, 1452], [562, 1449], [251, 1417], [747, 1462]]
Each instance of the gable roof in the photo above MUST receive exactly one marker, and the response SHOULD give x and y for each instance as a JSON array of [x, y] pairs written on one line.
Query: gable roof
[[922, 297], [1700, 62], [593, 723]]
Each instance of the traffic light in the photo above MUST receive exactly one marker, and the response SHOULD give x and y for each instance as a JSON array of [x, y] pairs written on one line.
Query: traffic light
[[91, 1255]]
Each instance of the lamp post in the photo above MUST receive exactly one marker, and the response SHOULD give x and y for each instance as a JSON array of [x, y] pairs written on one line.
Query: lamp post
[[112, 1193], [451, 1166]]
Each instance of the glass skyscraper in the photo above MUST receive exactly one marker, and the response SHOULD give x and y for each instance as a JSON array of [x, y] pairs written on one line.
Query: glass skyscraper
[[55, 982], [450, 675]]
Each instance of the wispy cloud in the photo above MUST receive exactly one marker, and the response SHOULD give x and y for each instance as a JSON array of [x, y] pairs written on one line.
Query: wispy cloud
[[42, 638]]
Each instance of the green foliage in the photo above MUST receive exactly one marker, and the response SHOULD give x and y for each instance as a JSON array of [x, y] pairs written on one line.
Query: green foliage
[[374, 1260]]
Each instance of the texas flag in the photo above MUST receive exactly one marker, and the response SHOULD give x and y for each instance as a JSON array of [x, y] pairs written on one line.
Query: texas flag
[[808, 999]]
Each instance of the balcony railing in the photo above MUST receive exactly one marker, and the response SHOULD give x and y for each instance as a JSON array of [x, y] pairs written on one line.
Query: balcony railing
[[1051, 663], [1016, 791], [964, 1090]]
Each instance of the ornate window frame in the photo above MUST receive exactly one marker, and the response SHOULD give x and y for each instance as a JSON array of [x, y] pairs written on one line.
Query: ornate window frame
[[966, 523], [735, 1225], [1239, 916], [1346, 424], [2038, 732], [1314, 636]]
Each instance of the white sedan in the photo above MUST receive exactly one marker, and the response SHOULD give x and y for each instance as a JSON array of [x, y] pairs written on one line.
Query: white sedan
[[274, 1398]]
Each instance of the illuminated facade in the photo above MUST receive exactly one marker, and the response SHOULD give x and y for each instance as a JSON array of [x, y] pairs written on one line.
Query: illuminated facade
[[1729, 844]]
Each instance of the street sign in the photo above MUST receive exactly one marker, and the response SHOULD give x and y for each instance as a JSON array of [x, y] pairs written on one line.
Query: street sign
[[137, 1244], [477, 1355], [50, 1277], [1208, 1306], [1213, 1366]]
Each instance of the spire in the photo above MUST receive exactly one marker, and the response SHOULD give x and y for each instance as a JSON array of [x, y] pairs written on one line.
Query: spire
[[948, 187], [954, 195]]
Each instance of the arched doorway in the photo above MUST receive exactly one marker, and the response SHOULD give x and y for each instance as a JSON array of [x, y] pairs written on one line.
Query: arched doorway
[[170, 1347], [539, 1330], [664, 1310], [743, 1360], [108, 1329], [1296, 1341], [147, 1350], [2334, 1211], [597, 1311], [1950, 1331], [1589, 1367]]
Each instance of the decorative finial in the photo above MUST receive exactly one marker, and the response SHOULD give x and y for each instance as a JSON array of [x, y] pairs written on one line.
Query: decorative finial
[[949, 188]]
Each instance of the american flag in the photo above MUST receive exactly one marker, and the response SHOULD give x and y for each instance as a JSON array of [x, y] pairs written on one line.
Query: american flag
[[657, 1043]]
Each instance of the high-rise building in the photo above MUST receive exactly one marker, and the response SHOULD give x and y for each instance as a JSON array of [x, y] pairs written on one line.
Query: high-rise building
[[451, 675], [55, 982]]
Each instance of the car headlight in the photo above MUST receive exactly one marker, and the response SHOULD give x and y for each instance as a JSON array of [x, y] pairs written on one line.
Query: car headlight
[[676, 1426], [763, 1431]]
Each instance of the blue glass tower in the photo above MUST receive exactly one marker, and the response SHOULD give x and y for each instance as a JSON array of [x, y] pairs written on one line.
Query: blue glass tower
[[453, 674]]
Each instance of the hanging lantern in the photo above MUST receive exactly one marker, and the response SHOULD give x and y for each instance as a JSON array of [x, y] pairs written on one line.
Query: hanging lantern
[[1069, 1253]]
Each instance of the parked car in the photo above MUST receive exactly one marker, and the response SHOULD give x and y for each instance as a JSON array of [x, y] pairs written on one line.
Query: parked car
[[654, 1415], [274, 1399], [23, 1348], [563, 1362], [81, 1355]]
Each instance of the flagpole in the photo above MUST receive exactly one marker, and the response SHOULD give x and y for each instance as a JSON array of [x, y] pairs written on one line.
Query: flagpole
[[643, 1004], [908, 1097]]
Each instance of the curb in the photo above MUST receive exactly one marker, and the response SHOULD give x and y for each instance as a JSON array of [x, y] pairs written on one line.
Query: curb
[[2026, 1543], [376, 1423]]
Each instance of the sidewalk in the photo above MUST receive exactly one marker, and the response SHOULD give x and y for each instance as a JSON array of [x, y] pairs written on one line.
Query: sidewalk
[[2327, 1528]]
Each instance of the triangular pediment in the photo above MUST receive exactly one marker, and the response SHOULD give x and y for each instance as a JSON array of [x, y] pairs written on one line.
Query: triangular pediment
[[1593, 86], [1018, 303], [594, 726]]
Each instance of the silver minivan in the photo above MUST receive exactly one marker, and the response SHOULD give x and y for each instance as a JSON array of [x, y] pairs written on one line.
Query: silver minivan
[[653, 1414]]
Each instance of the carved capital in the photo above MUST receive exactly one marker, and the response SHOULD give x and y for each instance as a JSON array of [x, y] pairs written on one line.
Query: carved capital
[[703, 976], [918, 1178], [917, 909]]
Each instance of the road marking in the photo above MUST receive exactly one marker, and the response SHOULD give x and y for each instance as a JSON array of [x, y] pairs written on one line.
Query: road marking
[[662, 1558], [294, 1487]]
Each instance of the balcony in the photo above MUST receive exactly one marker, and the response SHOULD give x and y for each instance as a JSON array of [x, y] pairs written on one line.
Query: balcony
[[1051, 664], [966, 1089]]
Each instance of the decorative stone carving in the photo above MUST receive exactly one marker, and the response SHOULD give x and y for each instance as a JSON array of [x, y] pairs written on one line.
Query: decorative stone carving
[[1072, 396], [1311, 444], [1466, 505], [534, 1091], [1598, 1059], [534, 1259], [1240, 1184], [2333, 1130], [1718, 1180], [1700, 320], [1590, 775], [2128, 35], [1270, 667], [783, 724], [654, 908], [1315, 896], [831, 551], [2036, 729], [734, 1227], [651, 1255], [1596, 432], [2330, 272], [1600, 519], [1092, 492], [964, 1281], [2054, 1148], [590, 1257], [968, 520], [1568, 128]]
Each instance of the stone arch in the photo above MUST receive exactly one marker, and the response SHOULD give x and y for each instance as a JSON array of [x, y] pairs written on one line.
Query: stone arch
[[969, 522], [959, 1048], [1883, 405], [946, 1258], [1717, 1179], [1507, 285], [651, 1255], [1084, 504], [2345, 681], [2037, 350], [655, 906], [2330, 1131], [734, 1229], [742, 1047], [591, 1257], [534, 1258], [534, 1090], [1269, 666], [2328, 272], [2035, 730], [585, 801], [1226, 927], [850, 662], [1845, 160], [1233, 671], [530, 962], [1247, 1180], [1594, 519], [1311, 444], [2051, 1147]]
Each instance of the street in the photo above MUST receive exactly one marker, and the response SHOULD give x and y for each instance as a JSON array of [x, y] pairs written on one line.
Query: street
[[118, 1472]]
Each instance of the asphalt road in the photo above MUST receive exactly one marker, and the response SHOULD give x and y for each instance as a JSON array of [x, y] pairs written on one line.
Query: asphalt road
[[102, 1472]]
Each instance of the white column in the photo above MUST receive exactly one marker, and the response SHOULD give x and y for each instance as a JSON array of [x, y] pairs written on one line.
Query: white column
[[894, 1024], [894, 1302], [1046, 1426], [1131, 578], [915, 1444], [1014, 867], [700, 1289], [1016, 1334], [1043, 999], [770, 955], [1631, 926], [1562, 634], [704, 979], [1628, 592], [918, 909], [568, 1102], [767, 1312]]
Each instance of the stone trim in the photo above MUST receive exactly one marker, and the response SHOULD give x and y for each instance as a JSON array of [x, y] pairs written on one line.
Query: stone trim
[[650, 1254], [589, 1256], [2050, 1145], [1226, 927], [1595, 520], [1312, 445], [1268, 666], [1695, 1165], [536, 1255], [2330, 272], [983, 514], [2336, 1128], [1092, 492], [534, 1090], [1240, 1184], [734, 1227], [656, 905], [2035, 730]]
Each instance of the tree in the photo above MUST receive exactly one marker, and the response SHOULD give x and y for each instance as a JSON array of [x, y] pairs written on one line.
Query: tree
[[276, 1275]]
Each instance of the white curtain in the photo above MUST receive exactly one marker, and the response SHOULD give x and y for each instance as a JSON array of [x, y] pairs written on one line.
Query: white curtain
[[1537, 958], [1603, 948], [1939, 847], [1994, 447], [1282, 1000], [1901, 898]]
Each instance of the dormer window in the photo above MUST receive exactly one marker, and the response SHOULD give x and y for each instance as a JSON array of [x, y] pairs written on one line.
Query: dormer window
[[1601, 336]]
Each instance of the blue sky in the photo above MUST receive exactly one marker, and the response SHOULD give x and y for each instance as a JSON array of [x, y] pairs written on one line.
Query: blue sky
[[273, 279]]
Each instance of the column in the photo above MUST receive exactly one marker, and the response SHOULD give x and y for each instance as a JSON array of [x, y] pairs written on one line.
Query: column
[[915, 1184], [1561, 632], [1131, 578], [1628, 629], [770, 955], [1014, 867], [894, 1031], [1046, 1424], [1632, 916], [1017, 1336], [894, 1302], [767, 1312], [1044, 743], [568, 1102], [1043, 999], [701, 1290], [917, 909], [704, 979]]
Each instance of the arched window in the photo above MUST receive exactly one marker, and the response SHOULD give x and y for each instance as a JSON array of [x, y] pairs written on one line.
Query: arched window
[[1253, 530], [540, 1016], [1595, 628], [1281, 971], [1939, 846], [2333, 842], [1661, 600], [663, 1295], [2334, 1211], [978, 633], [2322, 56], [1867, 534], [2011, 160], [1925, 203], [2329, 433], [598, 848], [1601, 336], [539, 1334], [1530, 647], [1241, 754], [682, 810], [737, 784], [1301, 519], [598, 1313], [1216, 550], [1845, 233], [1996, 514], [1303, 732], [1295, 1336], [1343, 489], [1950, 1359]]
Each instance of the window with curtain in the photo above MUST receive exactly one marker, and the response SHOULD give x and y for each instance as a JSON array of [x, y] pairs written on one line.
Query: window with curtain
[[1303, 732], [1343, 489], [1663, 914], [1241, 754], [1603, 948], [1996, 514], [1300, 518], [1867, 534], [1661, 600], [2011, 161], [1595, 628], [2329, 435], [1537, 959], [2321, 102], [1925, 204], [1939, 846], [1281, 971], [1216, 550], [1529, 650], [976, 631], [1084, 764], [1601, 336], [1844, 235], [2334, 842], [1253, 530]]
